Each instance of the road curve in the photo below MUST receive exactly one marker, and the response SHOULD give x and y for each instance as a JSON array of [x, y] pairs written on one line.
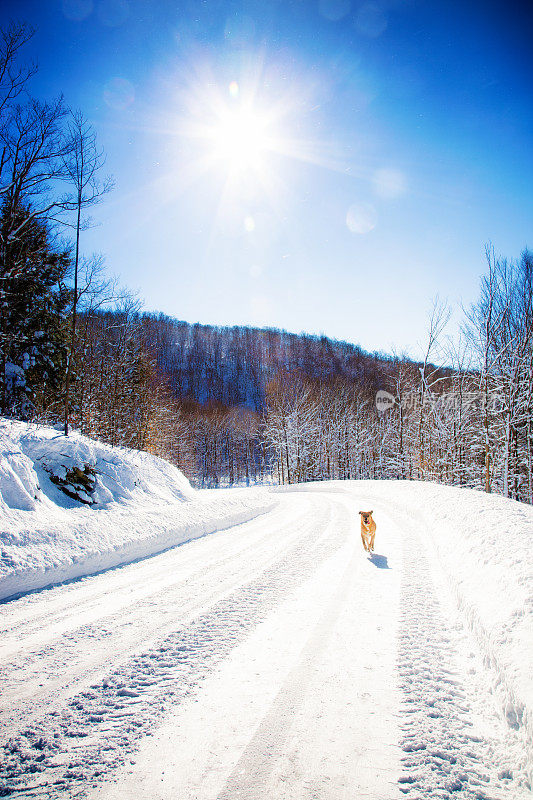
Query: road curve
[[271, 660]]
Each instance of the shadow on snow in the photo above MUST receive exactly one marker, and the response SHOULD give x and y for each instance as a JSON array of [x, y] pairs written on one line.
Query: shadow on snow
[[379, 561]]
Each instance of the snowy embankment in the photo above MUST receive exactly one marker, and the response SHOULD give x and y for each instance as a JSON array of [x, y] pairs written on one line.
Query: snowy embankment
[[70, 506]]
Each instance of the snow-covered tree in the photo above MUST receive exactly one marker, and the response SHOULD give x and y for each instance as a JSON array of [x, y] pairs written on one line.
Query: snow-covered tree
[[34, 307]]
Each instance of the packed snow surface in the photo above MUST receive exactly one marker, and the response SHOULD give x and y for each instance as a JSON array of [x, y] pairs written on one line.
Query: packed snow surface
[[273, 659]]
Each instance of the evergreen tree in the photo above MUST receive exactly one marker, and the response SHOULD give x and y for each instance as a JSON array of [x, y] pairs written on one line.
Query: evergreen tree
[[34, 303]]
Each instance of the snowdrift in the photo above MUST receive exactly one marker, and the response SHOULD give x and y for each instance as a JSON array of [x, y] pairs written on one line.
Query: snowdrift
[[70, 506]]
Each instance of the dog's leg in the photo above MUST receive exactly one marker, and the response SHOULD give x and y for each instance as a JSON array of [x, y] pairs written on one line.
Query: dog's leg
[[364, 541], [372, 542]]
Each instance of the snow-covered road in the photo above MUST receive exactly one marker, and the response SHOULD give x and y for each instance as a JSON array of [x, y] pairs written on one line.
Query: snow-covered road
[[270, 660]]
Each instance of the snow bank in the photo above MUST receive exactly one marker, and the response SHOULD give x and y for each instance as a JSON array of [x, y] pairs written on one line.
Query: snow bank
[[131, 505], [31, 455], [485, 544]]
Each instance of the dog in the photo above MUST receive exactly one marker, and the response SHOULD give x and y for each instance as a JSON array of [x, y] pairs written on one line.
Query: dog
[[368, 530]]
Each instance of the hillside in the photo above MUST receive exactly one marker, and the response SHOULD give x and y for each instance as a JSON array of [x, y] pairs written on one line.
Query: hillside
[[237, 405], [232, 366]]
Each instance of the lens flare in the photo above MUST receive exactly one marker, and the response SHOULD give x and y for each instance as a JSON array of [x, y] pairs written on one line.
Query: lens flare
[[361, 218]]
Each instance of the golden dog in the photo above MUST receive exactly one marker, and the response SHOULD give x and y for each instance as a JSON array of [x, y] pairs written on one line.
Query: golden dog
[[368, 530]]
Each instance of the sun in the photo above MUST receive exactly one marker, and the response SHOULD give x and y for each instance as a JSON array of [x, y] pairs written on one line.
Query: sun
[[241, 140], [241, 135]]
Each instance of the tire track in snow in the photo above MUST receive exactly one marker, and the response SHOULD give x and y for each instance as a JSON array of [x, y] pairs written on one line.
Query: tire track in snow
[[249, 778], [443, 757], [113, 607], [28, 615], [75, 746]]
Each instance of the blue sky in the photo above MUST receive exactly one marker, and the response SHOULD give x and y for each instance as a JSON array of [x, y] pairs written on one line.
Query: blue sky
[[399, 143]]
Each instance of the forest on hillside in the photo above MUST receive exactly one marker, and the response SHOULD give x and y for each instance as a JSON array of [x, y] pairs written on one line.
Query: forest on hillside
[[236, 405]]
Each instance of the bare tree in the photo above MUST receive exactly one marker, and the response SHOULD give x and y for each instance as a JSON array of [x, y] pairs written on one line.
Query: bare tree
[[82, 162], [438, 319], [13, 79]]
